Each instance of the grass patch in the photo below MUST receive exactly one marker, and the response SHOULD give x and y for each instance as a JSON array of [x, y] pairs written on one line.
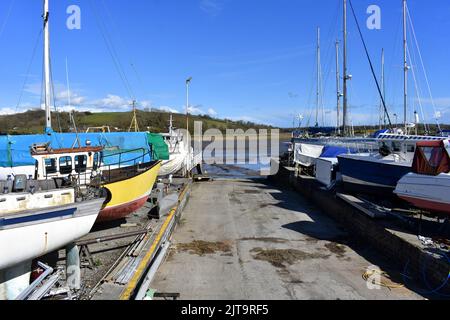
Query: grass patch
[[202, 248], [281, 258]]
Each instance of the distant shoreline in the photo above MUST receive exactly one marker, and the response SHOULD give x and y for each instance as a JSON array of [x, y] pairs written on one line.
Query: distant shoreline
[[224, 137]]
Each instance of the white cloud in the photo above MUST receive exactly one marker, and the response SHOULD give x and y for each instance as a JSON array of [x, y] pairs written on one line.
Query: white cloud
[[195, 110], [212, 112], [145, 104], [168, 109], [6, 111], [75, 98], [211, 7], [243, 118], [113, 101]]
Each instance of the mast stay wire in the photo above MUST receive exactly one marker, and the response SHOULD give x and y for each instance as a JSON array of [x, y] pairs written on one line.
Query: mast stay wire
[[309, 103], [58, 119], [417, 87], [423, 66], [389, 73], [27, 75], [112, 51], [8, 15], [371, 65], [329, 60], [117, 32]]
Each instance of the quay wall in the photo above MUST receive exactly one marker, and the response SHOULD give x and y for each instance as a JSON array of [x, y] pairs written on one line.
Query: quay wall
[[374, 232]]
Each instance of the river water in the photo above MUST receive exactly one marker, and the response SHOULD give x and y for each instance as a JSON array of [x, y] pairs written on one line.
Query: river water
[[240, 162]]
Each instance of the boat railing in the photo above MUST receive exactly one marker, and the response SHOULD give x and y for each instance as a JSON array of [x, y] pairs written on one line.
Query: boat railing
[[132, 166], [83, 178], [125, 162]]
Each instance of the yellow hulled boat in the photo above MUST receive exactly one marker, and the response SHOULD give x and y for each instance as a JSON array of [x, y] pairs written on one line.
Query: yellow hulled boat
[[128, 189]]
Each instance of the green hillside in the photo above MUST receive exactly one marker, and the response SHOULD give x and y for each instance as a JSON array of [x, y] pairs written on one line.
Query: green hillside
[[33, 121]]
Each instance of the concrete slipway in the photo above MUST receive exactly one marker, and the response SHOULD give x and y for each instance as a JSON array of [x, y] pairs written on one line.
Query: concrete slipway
[[248, 239]]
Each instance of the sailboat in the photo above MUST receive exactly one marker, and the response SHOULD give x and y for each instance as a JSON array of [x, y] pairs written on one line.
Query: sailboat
[[39, 216], [129, 171], [428, 185], [318, 155], [307, 151], [379, 172]]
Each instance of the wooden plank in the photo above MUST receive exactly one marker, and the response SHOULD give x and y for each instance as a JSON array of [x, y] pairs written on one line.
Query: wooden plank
[[364, 206]]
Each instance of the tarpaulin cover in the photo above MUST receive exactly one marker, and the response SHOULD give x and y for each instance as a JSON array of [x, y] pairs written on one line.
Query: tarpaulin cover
[[15, 150], [380, 132], [333, 151], [160, 149], [432, 158], [306, 154]]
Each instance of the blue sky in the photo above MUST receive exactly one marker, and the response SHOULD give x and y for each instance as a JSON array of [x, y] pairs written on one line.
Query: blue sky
[[250, 59]]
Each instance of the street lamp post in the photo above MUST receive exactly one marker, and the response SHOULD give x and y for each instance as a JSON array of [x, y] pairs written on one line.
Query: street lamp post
[[188, 82]]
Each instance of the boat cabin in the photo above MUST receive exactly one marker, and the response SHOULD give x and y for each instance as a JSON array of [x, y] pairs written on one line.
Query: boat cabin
[[432, 158], [60, 163], [403, 146]]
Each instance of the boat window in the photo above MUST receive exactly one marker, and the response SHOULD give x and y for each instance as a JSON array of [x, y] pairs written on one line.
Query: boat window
[[50, 166], [433, 155], [80, 164], [65, 165], [410, 148], [396, 146], [96, 161]]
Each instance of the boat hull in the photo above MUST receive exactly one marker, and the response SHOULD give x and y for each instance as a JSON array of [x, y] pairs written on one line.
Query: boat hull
[[364, 174], [32, 234], [174, 165], [128, 195], [426, 192]]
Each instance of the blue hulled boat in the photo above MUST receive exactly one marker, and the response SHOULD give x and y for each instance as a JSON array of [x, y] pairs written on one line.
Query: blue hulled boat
[[378, 173]]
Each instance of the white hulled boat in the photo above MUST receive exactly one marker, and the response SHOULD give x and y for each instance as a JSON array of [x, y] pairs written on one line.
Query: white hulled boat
[[180, 153], [40, 215], [379, 172], [428, 185]]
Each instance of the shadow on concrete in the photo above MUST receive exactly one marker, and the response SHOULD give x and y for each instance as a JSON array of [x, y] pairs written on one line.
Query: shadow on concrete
[[108, 225], [323, 227]]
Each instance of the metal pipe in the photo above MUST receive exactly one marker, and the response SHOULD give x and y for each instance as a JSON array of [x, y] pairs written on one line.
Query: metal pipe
[[47, 271], [152, 272], [318, 78], [113, 237], [345, 107], [73, 267], [338, 91], [42, 291], [383, 87], [405, 70], [47, 89]]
